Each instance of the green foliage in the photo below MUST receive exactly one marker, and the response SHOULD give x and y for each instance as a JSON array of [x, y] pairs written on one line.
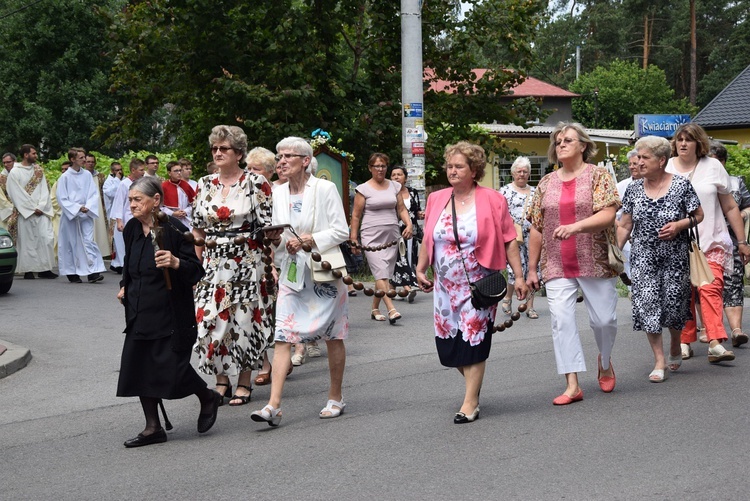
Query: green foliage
[[55, 75], [738, 162], [607, 30], [52, 167], [624, 89], [288, 67]]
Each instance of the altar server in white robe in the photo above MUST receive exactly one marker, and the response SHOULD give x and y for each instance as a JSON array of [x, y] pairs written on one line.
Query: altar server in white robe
[[28, 190], [101, 225], [78, 196], [178, 196], [121, 211]]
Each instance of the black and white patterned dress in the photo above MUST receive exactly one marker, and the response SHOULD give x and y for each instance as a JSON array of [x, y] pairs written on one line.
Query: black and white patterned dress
[[404, 274], [517, 202], [659, 268]]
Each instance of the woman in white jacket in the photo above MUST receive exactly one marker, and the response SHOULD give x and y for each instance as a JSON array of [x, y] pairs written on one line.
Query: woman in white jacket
[[306, 311]]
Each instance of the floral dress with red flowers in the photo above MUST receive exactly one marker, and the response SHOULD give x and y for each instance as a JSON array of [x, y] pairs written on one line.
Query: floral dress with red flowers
[[463, 334], [233, 308]]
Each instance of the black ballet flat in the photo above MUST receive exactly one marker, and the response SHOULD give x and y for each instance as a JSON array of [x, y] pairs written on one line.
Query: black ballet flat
[[158, 437], [206, 421]]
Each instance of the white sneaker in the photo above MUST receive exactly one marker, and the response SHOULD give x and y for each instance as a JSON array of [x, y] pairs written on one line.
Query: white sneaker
[[299, 358], [313, 350]]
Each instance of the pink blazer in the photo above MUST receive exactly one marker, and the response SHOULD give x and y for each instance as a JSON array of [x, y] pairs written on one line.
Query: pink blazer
[[494, 225]]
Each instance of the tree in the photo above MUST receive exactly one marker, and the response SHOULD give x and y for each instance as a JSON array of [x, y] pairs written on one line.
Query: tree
[[624, 89], [55, 75], [288, 67]]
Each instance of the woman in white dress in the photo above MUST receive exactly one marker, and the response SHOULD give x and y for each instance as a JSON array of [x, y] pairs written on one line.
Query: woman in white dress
[[306, 311]]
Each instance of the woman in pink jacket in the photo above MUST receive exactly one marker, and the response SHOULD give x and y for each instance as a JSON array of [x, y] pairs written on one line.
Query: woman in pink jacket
[[486, 235]]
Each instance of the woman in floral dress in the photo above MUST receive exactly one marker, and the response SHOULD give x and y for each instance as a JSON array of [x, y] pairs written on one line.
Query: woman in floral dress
[[463, 334], [518, 194], [233, 308]]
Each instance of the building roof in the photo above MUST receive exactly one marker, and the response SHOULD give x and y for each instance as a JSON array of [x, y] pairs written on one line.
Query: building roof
[[531, 87], [731, 107], [611, 136]]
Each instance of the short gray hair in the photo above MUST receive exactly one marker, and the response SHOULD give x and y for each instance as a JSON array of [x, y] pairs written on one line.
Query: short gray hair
[[659, 146], [149, 186], [296, 144], [519, 163], [632, 153], [236, 137], [590, 151], [264, 157], [313, 167]]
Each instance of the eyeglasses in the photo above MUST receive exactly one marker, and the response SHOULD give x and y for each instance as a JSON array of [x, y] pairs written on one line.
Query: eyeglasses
[[567, 140], [222, 149], [287, 156]]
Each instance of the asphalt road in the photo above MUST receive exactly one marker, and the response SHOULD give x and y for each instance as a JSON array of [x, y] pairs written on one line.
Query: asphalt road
[[62, 428]]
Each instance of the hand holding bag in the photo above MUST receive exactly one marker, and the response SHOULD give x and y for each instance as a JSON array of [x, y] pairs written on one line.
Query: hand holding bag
[[332, 256], [700, 272], [487, 291]]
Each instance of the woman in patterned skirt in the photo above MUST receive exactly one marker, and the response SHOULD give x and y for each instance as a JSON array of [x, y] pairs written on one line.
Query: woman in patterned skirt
[[486, 236], [306, 311], [233, 308], [519, 193], [404, 275], [655, 216]]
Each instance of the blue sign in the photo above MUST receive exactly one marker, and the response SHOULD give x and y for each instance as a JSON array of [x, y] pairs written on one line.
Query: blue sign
[[659, 125]]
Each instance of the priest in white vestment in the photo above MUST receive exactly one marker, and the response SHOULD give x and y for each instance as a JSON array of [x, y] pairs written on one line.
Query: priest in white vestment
[[178, 196], [78, 196], [121, 212], [28, 190], [101, 226]]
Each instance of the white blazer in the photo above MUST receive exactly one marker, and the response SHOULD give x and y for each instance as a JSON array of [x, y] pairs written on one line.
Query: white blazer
[[322, 204]]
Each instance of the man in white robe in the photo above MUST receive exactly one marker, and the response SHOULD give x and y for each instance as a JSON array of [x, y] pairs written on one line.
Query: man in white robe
[[8, 213], [178, 196], [101, 229], [109, 190], [28, 190], [121, 211], [78, 196]]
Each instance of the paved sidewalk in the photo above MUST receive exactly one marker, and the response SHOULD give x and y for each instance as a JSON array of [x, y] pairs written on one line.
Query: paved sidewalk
[[12, 358]]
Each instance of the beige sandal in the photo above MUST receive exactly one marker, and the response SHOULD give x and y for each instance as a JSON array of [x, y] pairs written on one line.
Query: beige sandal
[[506, 305], [376, 315]]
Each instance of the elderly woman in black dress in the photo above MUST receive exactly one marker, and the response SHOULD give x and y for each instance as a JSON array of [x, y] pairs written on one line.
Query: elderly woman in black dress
[[157, 291]]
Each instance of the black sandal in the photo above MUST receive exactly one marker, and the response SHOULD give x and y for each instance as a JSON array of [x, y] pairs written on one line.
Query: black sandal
[[227, 392], [242, 398]]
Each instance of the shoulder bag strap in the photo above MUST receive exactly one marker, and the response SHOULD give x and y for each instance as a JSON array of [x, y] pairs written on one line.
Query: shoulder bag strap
[[455, 235]]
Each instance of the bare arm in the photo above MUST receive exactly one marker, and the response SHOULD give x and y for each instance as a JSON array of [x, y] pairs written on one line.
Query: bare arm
[[535, 252], [513, 255], [732, 213], [422, 266], [624, 228], [404, 215], [359, 208]]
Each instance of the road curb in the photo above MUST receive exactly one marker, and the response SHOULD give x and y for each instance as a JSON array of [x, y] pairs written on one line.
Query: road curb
[[13, 359]]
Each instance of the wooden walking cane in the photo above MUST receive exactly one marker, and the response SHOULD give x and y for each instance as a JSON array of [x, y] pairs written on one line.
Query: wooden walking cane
[[157, 238]]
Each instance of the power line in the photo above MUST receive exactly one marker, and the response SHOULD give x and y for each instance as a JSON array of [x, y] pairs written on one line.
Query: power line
[[24, 7]]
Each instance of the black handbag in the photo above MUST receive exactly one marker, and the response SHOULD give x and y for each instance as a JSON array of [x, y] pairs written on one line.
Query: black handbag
[[487, 291]]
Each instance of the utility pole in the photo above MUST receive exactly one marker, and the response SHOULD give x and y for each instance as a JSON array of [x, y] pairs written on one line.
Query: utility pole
[[693, 56], [412, 117]]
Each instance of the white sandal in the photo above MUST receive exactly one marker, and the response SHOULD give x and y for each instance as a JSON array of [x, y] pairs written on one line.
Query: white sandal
[[334, 412], [658, 375], [267, 415]]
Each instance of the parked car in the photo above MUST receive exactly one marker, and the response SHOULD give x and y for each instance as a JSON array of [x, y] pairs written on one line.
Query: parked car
[[8, 259]]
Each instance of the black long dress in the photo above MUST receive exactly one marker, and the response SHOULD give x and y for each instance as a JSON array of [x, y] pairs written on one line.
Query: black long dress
[[405, 271], [160, 324]]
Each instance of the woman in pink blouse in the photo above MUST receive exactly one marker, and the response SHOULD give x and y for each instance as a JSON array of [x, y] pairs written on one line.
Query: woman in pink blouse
[[572, 209]]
